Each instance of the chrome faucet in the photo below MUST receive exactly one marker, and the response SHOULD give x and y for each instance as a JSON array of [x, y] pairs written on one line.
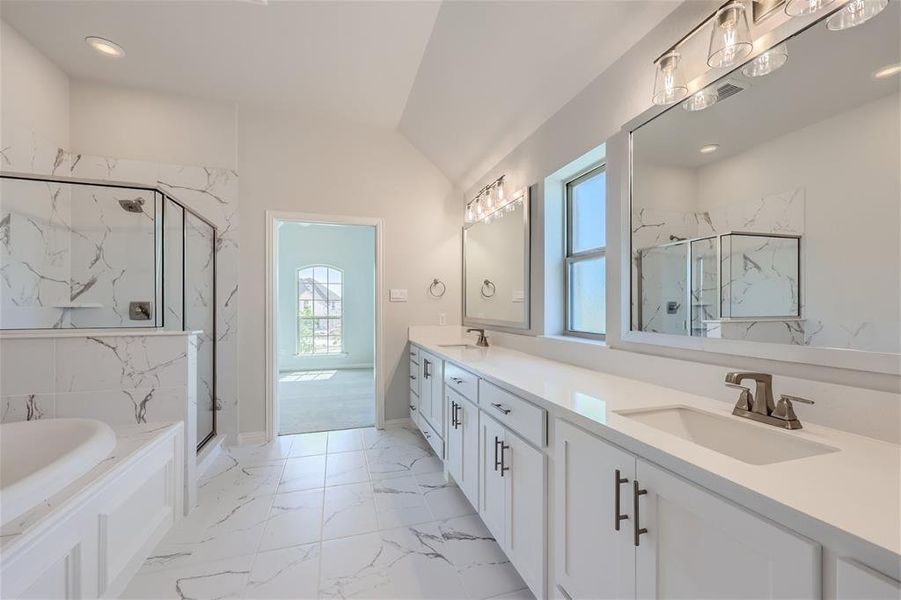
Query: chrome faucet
[[759, 406], [482, 341]]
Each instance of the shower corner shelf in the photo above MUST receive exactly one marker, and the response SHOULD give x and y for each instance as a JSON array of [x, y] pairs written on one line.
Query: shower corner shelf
[[79, 305]]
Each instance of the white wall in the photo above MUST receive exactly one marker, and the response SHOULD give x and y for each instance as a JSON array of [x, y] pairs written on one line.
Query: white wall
[[111, 120], [350, 248], [316, 165], [34, 92]]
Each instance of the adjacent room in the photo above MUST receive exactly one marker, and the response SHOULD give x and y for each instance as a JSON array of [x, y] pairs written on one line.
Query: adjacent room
[[326, 327]]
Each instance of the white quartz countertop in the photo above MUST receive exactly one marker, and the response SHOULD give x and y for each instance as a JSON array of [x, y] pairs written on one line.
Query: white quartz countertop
[[851, 498]]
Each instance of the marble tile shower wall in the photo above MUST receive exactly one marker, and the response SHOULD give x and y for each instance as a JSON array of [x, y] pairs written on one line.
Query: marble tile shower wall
[[211, 192]]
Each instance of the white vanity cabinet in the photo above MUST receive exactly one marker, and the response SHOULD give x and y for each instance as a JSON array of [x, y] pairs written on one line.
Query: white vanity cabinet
[[676, 540], [462, 456], [512, 503]]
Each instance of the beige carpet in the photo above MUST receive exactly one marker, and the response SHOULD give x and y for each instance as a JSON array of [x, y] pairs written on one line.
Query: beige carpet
[[325, 400]]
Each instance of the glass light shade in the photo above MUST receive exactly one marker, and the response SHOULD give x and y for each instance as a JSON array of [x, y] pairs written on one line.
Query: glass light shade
[[470, 215], [730, 40], [854, 13], [499, 192], [767, 62], [797, 8], [488, 201], [702, 99], [480, 210], [669, 84]]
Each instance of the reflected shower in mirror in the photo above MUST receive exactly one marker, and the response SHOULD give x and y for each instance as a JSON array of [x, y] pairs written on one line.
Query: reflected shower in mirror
[[769, 212], [496, 267]]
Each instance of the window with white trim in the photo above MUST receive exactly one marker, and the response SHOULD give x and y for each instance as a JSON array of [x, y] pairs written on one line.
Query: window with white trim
[[320, 310], [586, 250]]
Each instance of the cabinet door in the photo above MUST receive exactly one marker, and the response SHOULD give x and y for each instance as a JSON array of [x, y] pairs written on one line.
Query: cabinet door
[[468, 418], [526, 491], [414, 406], [492, 487], [436, 380], [426, 369], [699, 545], [854, 581], [454, 437], [593, 559]]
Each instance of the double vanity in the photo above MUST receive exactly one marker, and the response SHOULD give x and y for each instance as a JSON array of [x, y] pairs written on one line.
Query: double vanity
[[601, 486]]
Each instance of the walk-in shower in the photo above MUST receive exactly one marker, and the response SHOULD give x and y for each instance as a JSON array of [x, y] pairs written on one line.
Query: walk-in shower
[[79, 255]]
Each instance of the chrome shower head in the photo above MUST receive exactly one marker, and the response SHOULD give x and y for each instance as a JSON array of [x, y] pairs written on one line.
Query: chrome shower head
[[133, 206]]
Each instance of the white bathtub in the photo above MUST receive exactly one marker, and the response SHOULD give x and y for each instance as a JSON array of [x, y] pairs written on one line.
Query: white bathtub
[[40, 458]]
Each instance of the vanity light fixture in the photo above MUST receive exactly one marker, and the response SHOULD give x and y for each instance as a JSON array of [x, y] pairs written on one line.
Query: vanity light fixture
[[888, 71], [701, 99], [730, 40], [490, 203], [709, 148], [767, 62], [798, 8], [855, 13], [669, 84], [104, 46]]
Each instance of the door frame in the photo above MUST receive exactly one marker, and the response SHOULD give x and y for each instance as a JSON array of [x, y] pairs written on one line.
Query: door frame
[[271, 312]]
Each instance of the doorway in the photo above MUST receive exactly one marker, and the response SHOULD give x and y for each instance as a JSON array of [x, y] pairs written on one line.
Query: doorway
[[325, 324]]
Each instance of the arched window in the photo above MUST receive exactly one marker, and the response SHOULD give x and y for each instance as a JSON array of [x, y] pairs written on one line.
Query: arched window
[[320, 293]]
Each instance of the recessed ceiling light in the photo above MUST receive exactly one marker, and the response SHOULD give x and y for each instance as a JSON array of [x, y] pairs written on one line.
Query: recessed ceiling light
[[887, 71], [709, 148], [105, 47]]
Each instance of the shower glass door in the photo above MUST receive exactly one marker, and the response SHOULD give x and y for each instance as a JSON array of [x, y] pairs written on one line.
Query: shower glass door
[[199, 315]]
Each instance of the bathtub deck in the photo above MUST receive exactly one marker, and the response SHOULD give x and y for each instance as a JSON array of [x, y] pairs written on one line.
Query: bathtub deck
[[129, 440]]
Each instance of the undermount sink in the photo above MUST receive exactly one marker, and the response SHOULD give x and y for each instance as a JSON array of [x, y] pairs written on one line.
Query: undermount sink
[[746, 442], [464, 346]]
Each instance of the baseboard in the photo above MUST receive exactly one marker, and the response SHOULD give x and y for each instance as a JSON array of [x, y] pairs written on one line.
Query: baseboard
[[208, 454], [335, 368], [252, 437]]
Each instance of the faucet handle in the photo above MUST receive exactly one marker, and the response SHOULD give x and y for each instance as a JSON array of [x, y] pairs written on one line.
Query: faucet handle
[[744, 399], [785, 411]]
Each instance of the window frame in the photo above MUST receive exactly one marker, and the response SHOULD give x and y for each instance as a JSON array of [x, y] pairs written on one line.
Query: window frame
[[570, 258], [301, 318]]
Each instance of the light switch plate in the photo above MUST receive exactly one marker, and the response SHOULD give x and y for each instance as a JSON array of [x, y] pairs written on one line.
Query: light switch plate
[[396, 295]]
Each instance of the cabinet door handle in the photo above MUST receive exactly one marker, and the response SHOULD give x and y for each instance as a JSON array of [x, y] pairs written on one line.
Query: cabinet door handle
[[453, 407], [501, 408], [456, 417], [504, 467], [618, 481], [497, 462], [426, 368], [636, 492]]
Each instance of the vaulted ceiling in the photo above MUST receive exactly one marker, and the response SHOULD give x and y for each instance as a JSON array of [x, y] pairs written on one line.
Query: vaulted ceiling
[[461, 80]]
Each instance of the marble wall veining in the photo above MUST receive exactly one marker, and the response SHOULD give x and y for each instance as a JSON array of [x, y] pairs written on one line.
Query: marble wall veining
[[210, 192]]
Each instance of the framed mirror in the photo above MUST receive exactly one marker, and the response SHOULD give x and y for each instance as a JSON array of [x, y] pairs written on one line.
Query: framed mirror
[[765, 208], [496, 262]]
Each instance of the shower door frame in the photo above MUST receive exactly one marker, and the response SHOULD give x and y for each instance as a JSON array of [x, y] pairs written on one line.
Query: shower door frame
[[159, 263]]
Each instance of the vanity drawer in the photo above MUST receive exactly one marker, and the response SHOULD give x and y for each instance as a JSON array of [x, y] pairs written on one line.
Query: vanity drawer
[[414, 407], [414, 354], [520, 415], [461, 381], [414, 377], [431, 437]]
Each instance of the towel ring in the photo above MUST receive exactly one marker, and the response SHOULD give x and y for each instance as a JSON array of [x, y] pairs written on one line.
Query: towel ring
[[488, 289], [436, 285]]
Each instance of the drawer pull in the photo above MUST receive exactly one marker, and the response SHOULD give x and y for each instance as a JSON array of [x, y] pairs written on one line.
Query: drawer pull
[[426, 434], [412, 407], [413, 377], [636, 492], [618, 480], [501, 408], [456, 380]]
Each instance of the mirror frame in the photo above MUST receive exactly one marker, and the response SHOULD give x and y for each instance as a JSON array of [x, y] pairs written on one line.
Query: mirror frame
[[498, 325], [842, 358]]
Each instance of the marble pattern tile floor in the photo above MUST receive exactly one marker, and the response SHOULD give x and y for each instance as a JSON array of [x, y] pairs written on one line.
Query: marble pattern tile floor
[[357, 513]]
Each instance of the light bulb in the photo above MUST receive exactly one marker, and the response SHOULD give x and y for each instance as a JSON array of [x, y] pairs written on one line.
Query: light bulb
[[730, 40], [669, 86], [767, 62], [855, 13], [797, 8], [702, 99], [709, 148]]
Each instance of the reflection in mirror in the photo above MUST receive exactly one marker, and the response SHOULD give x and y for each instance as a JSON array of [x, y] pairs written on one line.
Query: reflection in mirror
[[496, 267], [772, 214]]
